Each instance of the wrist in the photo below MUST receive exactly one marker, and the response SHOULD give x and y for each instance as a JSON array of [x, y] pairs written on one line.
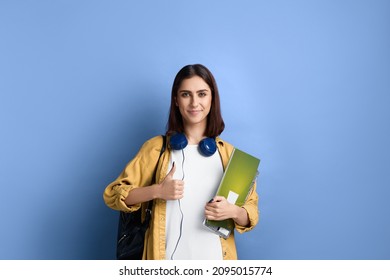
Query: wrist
[[236, 211], [156, 191], [240, 215]]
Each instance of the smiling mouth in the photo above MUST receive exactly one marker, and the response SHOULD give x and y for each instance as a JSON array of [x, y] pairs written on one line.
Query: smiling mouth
[[194, 112]]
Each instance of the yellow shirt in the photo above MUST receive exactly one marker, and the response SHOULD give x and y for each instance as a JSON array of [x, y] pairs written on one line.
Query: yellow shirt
[[139, 172]]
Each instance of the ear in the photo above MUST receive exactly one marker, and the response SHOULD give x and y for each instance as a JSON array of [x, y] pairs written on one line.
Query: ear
[[177, 105]]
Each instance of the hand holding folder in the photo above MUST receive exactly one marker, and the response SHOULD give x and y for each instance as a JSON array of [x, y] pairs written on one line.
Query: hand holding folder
[[235, 186]]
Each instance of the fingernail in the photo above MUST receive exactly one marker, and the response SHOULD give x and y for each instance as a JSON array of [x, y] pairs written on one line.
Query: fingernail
[[211, 200]]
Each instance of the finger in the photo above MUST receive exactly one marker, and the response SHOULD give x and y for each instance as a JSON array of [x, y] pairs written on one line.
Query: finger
[[210, 216], [179, 190], [178, 195], [212, 208], [181, 184], [172, 171], [218, 198], [175, 197], [212, 202]]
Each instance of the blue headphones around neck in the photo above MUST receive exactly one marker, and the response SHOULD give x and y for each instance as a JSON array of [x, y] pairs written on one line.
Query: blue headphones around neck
[[207, 146]]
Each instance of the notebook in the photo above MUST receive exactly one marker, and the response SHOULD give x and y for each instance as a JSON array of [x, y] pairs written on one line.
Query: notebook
[[235, 185]]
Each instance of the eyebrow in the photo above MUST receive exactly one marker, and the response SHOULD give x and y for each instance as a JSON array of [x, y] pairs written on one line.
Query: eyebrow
[[186, 90]]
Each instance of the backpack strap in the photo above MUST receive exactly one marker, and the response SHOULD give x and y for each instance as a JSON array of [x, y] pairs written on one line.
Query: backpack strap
[[150, 204]]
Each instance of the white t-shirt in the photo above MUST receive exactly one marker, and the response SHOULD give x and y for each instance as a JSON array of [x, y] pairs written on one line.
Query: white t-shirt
[[202, 176]]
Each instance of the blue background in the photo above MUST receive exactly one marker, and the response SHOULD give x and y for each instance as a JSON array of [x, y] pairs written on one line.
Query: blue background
[[305, 86]]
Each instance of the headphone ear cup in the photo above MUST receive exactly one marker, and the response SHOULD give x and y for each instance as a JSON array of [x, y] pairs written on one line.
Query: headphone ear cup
[[207, 147], [178, 141]]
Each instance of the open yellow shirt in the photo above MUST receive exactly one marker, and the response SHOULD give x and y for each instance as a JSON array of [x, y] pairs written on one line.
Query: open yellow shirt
[[139, 173]]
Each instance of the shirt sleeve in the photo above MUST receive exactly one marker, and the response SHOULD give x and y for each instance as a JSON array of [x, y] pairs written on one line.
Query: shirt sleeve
[[137, 173], [251, 207]]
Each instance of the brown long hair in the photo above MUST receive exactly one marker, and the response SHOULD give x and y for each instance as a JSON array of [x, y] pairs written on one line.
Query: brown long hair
[[215, 123]]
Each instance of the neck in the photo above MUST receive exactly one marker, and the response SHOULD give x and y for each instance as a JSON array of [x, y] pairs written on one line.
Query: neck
[[194, 134]]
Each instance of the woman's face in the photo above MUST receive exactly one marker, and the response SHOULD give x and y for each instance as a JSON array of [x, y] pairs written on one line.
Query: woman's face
[[194, 101]]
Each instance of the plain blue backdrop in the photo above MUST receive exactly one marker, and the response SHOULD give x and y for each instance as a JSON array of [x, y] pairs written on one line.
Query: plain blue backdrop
[[305, 86]]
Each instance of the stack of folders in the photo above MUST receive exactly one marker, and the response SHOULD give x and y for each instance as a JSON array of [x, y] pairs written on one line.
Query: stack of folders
[[236, 184]]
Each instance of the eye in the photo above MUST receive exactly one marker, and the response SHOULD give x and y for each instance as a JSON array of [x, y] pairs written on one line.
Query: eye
[[202, 94], [184, 94]]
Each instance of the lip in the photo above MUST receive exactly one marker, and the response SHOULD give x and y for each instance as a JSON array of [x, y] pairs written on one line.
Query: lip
[[194, 112]]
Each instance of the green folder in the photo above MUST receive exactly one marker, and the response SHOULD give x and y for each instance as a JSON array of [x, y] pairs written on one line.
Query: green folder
[[236, 184]]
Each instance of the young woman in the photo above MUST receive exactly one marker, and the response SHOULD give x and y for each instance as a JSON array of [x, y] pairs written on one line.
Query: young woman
[[188, 175]]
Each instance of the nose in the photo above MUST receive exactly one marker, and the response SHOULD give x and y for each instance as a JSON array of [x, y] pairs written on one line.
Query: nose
[[194, 101]]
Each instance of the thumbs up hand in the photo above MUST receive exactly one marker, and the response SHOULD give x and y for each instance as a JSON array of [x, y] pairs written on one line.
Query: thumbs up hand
[[169, 188]]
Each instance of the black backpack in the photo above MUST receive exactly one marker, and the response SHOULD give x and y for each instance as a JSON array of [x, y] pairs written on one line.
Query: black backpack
[[131, 230]]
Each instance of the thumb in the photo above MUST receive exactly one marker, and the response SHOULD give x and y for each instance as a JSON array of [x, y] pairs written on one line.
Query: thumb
[[172, 171]]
